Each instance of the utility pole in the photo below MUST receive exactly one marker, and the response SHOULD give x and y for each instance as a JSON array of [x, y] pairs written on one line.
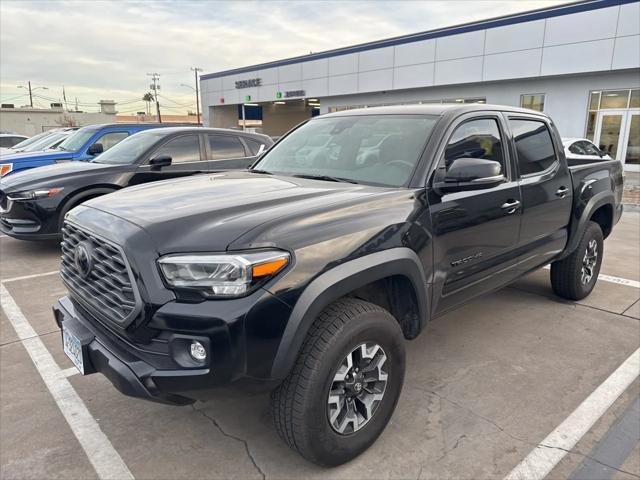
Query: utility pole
[[155, 86], [195, 70], [31, 91]]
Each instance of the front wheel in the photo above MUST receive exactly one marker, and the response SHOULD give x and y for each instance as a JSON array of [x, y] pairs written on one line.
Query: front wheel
[[575, 276], [345, 384]]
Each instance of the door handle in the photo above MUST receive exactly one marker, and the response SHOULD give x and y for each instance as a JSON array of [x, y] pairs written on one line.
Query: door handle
[[562, 192], [511, 206]]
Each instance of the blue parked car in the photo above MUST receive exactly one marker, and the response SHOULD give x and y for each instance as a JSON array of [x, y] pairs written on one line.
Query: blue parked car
[[84, 145]]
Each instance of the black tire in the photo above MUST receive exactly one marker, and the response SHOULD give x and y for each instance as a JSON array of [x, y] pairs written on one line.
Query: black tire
[[567, 276], [300, 404]]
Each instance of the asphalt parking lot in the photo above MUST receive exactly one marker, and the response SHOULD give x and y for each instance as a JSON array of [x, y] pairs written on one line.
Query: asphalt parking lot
[[486, 386]]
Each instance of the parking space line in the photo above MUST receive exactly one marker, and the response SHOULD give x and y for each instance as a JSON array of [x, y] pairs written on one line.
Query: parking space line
[[27, 277], [105, 459], [69, 372], [560, 441], [612, 279]]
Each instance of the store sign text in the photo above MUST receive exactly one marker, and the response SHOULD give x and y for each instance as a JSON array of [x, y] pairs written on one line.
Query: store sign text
[[252, 82]]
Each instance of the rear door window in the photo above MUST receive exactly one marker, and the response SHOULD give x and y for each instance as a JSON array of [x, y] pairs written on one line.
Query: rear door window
[[255, 146], [534, 146], [226, 146], [576, 148]]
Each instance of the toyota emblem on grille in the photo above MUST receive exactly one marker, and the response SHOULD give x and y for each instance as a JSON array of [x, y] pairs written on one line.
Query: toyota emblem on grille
[[83, 259]]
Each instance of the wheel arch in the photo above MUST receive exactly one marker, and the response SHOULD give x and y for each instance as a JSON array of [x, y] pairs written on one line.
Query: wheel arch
[[82, 195], [400, 267], [600, 208]]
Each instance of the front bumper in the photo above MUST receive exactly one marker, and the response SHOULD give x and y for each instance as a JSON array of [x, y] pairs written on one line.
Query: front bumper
[[30, 219], [152, 361], [130, 374]]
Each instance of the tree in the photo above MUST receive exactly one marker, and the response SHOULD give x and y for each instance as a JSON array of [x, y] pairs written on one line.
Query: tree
[[148, 98], [65, 120]]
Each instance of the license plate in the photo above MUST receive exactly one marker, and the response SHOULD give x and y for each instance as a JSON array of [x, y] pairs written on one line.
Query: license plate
[[73, 348]]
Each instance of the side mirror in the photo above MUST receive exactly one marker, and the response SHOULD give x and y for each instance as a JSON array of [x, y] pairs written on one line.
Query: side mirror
[[160, 161], [470, 174], [95, 149]]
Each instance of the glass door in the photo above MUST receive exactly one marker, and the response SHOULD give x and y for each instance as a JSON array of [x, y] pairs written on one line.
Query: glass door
[[631, 152], [610, 130]]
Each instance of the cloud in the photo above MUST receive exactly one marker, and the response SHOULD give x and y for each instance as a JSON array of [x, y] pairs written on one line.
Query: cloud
[[101, 49]]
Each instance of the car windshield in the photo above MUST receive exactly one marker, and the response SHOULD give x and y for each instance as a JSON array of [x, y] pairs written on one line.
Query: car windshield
[[77, 140], [130, 149], [371, 149], [30, 140], [45, 142]]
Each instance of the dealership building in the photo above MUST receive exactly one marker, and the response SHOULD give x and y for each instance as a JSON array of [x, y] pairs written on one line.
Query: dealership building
[[579, 63]]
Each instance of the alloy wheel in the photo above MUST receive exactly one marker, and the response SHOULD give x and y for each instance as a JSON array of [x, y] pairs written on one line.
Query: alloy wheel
[[357, 388], [589, 261]]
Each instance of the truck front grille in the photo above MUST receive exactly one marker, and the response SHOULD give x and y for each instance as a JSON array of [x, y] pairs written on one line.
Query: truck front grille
[[98, 276]]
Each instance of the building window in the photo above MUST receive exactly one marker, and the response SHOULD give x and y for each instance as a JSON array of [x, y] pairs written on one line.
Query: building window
[[533, 101], [609, 99], [416, 102]]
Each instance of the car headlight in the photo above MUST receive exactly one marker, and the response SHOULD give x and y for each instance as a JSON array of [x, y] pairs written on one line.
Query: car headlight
[[33, 194], [222, 275], [5, 168]]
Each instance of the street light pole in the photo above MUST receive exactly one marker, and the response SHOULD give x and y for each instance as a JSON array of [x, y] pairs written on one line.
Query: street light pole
[[31, 91], [195, 72]]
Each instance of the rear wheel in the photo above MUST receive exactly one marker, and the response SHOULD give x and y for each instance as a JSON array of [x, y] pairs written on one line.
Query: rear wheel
[[575, 276], [345, 384]]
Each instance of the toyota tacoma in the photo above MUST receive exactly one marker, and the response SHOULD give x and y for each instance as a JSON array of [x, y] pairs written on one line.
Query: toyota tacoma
[[307, 273]]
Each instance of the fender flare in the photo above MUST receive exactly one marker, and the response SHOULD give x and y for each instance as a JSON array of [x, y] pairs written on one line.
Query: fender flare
[[580, 224], [338, 282]]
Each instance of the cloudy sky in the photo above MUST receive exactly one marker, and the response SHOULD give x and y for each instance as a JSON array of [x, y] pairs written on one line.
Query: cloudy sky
[[103, 49]]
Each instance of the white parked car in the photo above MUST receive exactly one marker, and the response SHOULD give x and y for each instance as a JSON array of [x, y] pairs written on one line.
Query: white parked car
[[42, 141], [582, 150], [8, 140]]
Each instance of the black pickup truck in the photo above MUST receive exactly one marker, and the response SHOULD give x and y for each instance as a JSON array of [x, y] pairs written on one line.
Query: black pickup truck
[[308, 272]]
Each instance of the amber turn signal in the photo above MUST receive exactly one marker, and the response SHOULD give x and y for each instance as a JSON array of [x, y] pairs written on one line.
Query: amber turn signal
[[269, 268]]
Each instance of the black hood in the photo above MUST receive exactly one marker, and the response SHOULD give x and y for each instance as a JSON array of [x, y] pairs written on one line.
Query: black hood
[[208, 212], [51, 174]]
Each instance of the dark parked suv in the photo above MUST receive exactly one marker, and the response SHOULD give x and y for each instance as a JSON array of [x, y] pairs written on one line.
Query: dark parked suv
[[309, 271], [33, 202]]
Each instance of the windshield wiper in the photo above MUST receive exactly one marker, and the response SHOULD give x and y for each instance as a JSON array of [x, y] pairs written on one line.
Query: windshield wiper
[[327, 178], [265, 172]]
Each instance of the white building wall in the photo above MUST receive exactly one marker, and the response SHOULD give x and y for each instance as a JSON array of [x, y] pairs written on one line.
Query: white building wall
[[31, 121], [600, 40], [566, 98]]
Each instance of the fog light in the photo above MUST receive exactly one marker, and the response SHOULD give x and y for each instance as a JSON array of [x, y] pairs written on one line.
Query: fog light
[[198, 351]]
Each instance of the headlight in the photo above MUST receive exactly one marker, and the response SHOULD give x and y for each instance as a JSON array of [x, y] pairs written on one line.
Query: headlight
[[33, 194], [222, 275], [5, 168]]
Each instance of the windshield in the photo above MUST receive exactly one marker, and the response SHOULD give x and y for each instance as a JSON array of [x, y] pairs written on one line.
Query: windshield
[[77, 140], [30, 140], [370, 149], [130, 149], [45, 142]]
